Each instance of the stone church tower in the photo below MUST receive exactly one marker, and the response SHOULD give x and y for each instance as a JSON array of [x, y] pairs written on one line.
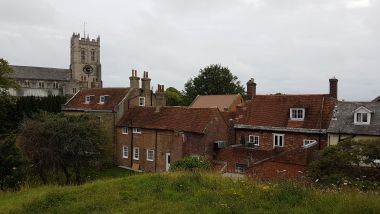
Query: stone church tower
[[85, 62], [84, 72]]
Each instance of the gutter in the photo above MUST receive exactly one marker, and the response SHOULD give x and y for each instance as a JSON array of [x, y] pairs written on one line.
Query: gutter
[[85, 110], [283, 129]]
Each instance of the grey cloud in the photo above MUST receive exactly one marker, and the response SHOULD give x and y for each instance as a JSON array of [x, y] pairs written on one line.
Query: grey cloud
[[291, 46]]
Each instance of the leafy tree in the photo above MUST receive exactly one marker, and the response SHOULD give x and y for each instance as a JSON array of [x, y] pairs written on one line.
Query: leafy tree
[[12, 173], [174, 97], [5, 71], [62, 142], [212, 80]]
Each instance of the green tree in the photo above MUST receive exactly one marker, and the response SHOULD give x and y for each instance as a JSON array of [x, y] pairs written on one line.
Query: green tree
[[348, 159], [68, 143], [5, 71], [212, 80], [12, 173], [174, 97]]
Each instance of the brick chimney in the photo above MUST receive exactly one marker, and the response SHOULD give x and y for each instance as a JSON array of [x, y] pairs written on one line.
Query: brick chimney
[[145, 83], [134, 80], [160, 97], [251, 89], [334, 87]]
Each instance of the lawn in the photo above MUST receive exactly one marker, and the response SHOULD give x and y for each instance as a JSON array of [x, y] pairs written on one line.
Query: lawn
[[185, 193]]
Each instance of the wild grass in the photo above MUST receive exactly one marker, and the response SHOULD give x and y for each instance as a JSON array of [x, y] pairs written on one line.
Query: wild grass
[[185, 192]]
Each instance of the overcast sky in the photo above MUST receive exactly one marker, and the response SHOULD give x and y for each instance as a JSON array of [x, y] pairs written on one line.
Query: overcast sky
[[288, 46]]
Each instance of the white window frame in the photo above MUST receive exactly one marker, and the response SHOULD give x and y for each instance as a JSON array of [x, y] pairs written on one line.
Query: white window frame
[[136, 130], [102, 99], [136, 153], [124, 130], [307, 142], [254, 139], [275, 144], [88, 99], [141, 101], [359, 120], [125, 151], [147, 155], [297, 118]]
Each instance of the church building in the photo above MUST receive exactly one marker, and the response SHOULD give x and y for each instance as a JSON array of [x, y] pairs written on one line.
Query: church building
[[84, 72]]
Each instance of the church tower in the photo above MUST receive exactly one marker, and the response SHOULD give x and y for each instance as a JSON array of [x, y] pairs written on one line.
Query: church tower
[[85, 61]]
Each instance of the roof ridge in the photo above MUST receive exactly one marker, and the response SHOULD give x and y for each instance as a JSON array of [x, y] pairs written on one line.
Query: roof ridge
[[38, 67]]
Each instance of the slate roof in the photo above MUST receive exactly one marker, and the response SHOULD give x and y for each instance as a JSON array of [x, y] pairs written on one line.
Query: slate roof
[[377, 99], [344, 123], [268, 111], [77, 102], [185, 119], [219, 101], [40, 73]]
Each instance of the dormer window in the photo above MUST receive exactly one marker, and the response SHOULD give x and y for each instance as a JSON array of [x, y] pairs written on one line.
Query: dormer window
[[297, 114], [103, 99], [362, 116], [88, 99], [141, 101]]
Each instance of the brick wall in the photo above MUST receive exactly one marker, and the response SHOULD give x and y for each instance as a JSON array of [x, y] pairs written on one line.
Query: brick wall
[[291, 140], [272, 170], [291, 158], [178, 144]]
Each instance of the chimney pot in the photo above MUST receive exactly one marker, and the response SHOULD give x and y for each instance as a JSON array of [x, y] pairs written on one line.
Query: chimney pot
[[334, 87], [251, 89]]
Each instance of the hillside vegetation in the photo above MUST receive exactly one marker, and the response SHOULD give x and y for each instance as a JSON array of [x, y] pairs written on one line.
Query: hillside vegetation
[[184, 193]]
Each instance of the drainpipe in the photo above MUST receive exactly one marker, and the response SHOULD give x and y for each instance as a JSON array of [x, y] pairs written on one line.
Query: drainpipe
[[155, 154], [131, 145]]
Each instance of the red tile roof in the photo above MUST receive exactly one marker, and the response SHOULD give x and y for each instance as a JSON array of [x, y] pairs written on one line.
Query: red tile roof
[[170, 118], [219, 101], [78, 101], [273, 111]]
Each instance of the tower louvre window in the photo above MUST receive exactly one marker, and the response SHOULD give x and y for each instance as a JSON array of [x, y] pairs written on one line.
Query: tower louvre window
[[93, 55], [83, 55]]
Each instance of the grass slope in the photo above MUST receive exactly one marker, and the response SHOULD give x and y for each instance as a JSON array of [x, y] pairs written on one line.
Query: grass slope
[[184, 193]]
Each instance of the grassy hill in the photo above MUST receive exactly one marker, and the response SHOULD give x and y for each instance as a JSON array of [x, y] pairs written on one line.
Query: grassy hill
[[184, 193]]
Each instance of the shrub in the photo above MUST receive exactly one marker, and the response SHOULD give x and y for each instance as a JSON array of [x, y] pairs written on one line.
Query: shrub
[[191, 164], [12, 173], [348, 162]]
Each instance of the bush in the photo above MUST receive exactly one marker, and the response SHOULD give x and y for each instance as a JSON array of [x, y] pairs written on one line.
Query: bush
[[190, 163], [12, 173], [348, 162]]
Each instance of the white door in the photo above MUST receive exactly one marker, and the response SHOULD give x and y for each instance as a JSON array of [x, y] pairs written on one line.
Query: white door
[[167, 161]]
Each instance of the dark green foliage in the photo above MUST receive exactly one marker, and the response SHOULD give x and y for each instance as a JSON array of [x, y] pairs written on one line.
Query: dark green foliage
[[348, 162], [14, 109], [190, 163], [212, 80], [5, 71], [66, 143], [174, 97], [29, 105], [9, 116], [12, 172]]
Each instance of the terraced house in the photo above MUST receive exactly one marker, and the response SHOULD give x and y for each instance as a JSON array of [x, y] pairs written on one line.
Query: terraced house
[[354, 120], [151, 138], [110, 104], [277, 133]]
